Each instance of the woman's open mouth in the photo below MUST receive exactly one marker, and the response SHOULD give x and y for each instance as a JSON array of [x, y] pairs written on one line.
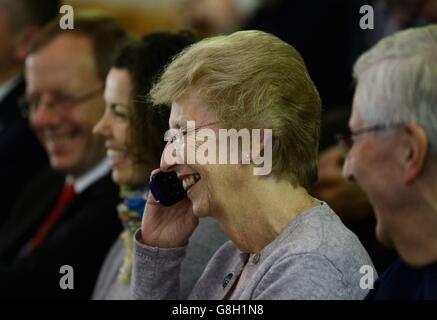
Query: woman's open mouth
[[190, 180], [115, 156]]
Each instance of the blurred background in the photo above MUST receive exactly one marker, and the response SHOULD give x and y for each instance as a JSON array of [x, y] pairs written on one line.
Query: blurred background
[[326, 32], [138, 16]]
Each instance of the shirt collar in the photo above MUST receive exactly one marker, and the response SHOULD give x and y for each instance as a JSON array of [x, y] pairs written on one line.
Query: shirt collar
[[88, 178]]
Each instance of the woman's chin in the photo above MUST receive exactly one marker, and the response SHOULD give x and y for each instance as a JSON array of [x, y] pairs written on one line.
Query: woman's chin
[[199, 208], [119, 178]]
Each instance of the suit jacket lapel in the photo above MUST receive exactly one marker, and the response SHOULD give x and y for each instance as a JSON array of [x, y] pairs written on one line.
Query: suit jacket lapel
[[28, 217]]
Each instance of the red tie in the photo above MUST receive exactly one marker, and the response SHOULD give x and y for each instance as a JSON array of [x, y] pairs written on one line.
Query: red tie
[[64, 198]]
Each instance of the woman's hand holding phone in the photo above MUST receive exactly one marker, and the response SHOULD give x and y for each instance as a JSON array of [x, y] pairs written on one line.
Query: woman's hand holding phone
[[167, 227]]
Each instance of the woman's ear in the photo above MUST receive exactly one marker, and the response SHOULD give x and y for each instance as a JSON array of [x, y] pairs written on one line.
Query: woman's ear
[[416, 152]]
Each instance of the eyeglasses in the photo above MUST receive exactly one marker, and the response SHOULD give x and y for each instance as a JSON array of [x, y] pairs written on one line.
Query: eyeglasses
[[176, 136], [346, 140], [58, 101]]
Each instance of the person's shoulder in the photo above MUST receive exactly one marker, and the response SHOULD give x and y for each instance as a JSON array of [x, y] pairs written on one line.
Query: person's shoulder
[[311, 230], [98, 202], [341, 246], [306, 275], [400, 281], [39, 194], [44, 180], [334, 238], [103, 188], [399, 270], [319, 234]]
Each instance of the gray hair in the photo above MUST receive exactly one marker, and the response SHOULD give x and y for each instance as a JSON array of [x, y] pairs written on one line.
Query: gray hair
[[400, 76]]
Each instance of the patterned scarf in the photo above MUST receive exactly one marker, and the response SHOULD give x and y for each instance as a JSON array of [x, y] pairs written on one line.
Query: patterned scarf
[[130, 212]]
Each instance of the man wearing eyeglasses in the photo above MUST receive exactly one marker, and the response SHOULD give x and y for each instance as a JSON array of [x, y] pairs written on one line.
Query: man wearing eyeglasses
[[20, 22], [391, 154], [56, 220]]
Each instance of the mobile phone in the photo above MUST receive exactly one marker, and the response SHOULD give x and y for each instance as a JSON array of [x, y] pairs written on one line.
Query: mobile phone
[[167, 188]]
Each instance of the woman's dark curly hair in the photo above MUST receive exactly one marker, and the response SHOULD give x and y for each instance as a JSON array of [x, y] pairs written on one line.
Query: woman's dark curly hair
[[145, 60]]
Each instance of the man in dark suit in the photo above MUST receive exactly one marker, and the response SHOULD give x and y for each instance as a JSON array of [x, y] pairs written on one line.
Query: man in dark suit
[[66, 217], [20, 21]]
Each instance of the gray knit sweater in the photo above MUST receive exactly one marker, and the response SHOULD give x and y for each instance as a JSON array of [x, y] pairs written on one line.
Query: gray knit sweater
[[206, 239], [315, 257]]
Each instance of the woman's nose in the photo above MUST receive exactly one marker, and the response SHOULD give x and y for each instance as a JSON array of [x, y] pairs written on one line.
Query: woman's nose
[[102, 127]]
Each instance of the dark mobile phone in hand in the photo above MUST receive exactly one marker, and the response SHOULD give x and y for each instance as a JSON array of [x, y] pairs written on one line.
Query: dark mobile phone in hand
[[167, 188]]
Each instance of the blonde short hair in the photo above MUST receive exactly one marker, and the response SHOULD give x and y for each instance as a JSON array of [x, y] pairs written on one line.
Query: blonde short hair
[[252, 79]]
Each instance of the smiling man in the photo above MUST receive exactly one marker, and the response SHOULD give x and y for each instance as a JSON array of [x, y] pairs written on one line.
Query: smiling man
[[20, 22], [392, 156], [65, 101], [54, 221]]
